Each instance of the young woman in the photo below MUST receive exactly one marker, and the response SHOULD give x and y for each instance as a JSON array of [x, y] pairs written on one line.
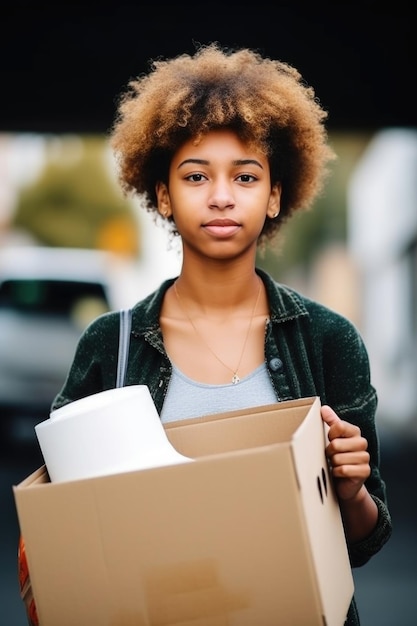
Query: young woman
[[224, 146]]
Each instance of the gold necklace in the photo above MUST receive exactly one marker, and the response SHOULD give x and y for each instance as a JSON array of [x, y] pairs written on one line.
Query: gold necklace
[[235, 377]]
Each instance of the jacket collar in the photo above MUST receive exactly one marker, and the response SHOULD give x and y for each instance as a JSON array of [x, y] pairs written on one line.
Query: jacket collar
[[285, 304]]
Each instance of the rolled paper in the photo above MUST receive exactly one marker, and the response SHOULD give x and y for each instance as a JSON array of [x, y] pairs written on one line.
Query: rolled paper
[[117, 430]]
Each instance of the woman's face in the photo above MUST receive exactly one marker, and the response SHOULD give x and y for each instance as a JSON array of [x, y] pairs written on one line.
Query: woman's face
[[219, 194]]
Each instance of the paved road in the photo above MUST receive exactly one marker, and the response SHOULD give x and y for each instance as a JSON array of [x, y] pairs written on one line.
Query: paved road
[[386, 588]]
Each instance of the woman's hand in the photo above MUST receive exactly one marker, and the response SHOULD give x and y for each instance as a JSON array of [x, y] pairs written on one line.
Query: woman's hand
[[348, 455]]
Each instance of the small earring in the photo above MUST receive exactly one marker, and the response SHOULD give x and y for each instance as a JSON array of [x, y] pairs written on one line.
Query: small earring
[[274, 215]]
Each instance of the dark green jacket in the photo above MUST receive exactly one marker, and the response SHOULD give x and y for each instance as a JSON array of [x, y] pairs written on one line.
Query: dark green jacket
[[309, 350]]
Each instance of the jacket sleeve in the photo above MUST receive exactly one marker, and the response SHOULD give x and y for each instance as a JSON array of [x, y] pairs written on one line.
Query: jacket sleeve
[[362, 551]]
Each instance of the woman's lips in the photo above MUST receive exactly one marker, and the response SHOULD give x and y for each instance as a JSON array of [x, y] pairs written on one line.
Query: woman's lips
[[221, 228]]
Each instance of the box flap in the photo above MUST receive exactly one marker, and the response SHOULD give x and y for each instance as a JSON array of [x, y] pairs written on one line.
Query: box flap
[[323, 518], [238, 430]]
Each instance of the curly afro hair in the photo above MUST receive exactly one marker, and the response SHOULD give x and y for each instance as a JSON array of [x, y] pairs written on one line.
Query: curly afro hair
[[265, 101]]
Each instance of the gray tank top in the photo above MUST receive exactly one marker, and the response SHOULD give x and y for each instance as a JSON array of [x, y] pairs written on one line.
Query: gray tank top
[[187, 398]]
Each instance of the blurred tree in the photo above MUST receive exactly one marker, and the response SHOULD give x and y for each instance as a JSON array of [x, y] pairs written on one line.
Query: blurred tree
[[75, 202]]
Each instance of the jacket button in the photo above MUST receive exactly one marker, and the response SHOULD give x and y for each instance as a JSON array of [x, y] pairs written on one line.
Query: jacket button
[[276, 364]]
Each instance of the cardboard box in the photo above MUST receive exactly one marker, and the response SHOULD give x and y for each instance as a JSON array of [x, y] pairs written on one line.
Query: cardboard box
[[249, 534]]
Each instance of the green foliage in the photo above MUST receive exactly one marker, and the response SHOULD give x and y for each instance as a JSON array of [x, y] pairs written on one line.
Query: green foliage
[[75, 198]]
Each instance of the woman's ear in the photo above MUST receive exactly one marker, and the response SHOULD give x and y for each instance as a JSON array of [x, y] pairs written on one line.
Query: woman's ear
[[164, 203], [274, 204]]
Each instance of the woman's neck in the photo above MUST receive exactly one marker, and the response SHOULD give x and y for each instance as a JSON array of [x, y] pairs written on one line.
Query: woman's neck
[[208, 294]]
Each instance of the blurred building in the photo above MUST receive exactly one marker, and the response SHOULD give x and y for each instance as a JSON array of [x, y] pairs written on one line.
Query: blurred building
[[382, 219]]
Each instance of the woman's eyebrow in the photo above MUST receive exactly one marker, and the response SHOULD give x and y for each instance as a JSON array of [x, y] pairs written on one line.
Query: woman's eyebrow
[[237, 162], [195, 161], [247, 162]]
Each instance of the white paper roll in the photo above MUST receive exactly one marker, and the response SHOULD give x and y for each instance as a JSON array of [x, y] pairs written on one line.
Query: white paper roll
[[117, 430]]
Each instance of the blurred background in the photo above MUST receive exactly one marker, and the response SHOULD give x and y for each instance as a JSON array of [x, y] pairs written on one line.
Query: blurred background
[[71, 246]]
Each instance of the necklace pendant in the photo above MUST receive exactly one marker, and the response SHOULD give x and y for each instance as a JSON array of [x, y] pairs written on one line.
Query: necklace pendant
[[235, 379]]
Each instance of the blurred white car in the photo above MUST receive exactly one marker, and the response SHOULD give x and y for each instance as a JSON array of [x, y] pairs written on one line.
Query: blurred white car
[[47, 298]]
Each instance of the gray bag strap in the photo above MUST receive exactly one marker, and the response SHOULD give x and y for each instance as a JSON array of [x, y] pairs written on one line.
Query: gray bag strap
[[124, 340]]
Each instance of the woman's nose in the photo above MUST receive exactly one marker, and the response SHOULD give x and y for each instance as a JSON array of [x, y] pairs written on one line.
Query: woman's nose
[[221, 195]]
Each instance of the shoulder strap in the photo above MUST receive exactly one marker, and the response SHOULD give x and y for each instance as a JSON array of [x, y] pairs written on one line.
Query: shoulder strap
[[124, 339]]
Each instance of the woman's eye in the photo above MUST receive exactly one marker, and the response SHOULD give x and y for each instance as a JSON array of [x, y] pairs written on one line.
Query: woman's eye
[[246, 178], [195, 178]]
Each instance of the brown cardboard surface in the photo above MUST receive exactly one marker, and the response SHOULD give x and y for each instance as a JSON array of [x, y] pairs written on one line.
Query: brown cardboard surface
[[240, 537]]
